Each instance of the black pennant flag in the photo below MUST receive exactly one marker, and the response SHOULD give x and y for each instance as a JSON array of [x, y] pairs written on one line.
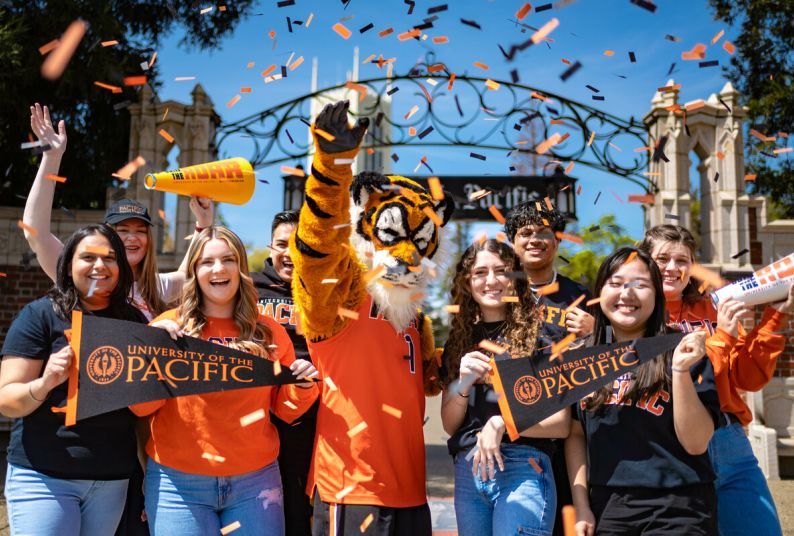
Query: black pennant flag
[[528, 394], [119, 363]]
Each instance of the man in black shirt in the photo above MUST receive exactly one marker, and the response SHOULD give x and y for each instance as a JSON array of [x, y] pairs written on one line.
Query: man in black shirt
[[296, 439], [533, 231]]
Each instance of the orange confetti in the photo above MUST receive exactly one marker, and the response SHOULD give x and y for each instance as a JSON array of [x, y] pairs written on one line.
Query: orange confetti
[[343, 32], [452, 309], [110, 43], [245, 90], [490, 346], [430, 213], [545, 30], [330, 384], [113, 89], [490, 84], [394, 412], [544, 146], [166, 136], [366, 523], [525, 9], [357, 429], [161, 212], [717, 37], [781, 150], [551, 288], [385, 32], [709, 277], [496, 214], [571, 238], [750, 177], [296, 172], [417, 296], [373, 274], [56, 62], [509, 299], [231, 527], [129, 168], [409, 34], [569, 520], [347, 313], [151, 61], [436, 191], [253, 417], [269, 70], [271, 34], [576, 302], [558, 348], [535, 465], [27, 228], [361, 89], [593, 301], [135, 80], [609, 53], [440, 40], [234, 100], [324, 134], [49, 47], [481, 65], [714, 342], [296, 63], [728, 47], [451, 81], [412, 131], [55, 178], [548, 203], [342, 494], [647, 198], [98, 250]]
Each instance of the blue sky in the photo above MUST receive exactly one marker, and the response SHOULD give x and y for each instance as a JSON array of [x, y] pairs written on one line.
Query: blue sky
[[586, 29]]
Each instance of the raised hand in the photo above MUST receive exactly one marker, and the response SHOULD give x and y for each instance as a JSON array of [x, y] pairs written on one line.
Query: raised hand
[[787, 305], [690, 350], [333, 120], [204, 210], [729, 313], [42, 127]]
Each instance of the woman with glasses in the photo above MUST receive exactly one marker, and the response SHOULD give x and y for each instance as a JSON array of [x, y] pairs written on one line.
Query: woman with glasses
[[500, 486]]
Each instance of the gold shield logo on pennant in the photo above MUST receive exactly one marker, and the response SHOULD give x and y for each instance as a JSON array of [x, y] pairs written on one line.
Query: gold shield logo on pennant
[[527, 390], [104, 365]]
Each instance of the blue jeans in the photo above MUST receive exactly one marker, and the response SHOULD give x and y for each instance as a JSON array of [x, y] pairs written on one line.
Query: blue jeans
[[188, 504], [44, 505], [519, 500], [744, 503]]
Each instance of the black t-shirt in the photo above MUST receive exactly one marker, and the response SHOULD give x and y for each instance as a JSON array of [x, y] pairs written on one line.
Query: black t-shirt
[[483, 403], [635, 445], [554, 305], [97, 448]]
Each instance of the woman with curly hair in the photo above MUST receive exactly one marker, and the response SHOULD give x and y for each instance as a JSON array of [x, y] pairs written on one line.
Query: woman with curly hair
[[205, 469], [499, 485]]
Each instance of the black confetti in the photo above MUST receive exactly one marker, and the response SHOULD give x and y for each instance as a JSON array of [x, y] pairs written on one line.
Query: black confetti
[[411, 5], [283, 71], [68, 212], [658, 152], [597, 198], [745, 251], [457, 103], [393, 90], [289, 136], [563, 259], [378, 119], [671, 217], [366, 28], [597, 97], [725, 104], [513, 74], [437, 9], [632, 57], [711, 63], [672, 38], [670, 70], [593, 89], [395, 157], [289, 25], [285, 3], [569, 72], [716, 176], [645, 5], [120, 105], [471, 23], [544, 7], [425, 132], [477, 156], [593, 229]]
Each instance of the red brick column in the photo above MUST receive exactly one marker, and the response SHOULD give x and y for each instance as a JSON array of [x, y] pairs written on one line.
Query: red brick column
[[18, 287]]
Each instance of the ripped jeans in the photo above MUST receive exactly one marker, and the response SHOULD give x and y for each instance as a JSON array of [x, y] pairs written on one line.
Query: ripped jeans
[[195, 505]]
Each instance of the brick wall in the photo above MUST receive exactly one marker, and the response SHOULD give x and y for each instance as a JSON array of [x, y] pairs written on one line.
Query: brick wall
[[19, 287], [785, 363]]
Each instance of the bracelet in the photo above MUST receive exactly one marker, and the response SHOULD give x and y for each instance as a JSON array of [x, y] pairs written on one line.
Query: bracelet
[[462, 395], [30, 392], [680, 369]]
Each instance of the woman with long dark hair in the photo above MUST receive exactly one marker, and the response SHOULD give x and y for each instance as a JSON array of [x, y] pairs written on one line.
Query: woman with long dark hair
[[500, 485], [742, 362], [66, 480], [639, 447]]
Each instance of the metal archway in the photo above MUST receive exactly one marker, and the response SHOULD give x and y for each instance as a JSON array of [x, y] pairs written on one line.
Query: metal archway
[[469, 115]]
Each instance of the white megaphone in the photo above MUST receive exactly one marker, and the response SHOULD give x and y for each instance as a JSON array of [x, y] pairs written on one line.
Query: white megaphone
[[767, 285]]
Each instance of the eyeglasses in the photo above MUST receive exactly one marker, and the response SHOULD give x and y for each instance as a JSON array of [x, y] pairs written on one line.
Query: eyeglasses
[[542, 234]]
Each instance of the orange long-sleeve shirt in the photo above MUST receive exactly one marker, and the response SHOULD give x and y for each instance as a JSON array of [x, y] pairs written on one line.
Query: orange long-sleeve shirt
[[744, 363], [201, 434]]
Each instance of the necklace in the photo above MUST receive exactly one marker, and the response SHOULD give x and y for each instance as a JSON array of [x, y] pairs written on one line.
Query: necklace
[[494, 332], [535, 286]]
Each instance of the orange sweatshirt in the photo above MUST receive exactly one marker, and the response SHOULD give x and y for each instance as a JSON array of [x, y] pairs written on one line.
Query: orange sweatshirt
[[201, 434], [745, 363]]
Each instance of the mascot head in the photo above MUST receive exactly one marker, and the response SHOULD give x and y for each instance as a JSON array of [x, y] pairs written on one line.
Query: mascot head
[[396, 225]]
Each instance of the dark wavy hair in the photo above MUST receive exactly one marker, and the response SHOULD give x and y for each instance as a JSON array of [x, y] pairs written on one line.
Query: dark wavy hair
[[528, 213], [64, 295], [286, 216], [679, 235], [651, 376], [522, 318]]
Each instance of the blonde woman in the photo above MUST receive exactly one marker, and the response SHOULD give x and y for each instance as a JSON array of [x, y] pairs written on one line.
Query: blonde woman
[[206, 471], [152, 292]]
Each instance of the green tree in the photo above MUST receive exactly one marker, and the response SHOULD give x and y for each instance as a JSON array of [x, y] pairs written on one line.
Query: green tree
[[762, 69], [97, 120], [257, 258], [602, 238]]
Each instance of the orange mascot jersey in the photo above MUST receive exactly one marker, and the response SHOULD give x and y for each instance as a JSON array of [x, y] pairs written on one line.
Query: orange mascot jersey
[[370, 365], [201, 434]]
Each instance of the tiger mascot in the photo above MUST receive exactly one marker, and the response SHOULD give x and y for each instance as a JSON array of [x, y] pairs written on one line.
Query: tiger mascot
[[359, 269]]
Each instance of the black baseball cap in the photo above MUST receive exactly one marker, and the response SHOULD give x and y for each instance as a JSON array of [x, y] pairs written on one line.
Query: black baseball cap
[[125, 209]]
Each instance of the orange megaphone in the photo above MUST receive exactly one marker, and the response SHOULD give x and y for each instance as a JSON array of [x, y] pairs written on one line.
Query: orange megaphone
[[227, 181]]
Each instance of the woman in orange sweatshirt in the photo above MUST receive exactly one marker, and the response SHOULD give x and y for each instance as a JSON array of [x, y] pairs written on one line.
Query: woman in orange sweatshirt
[[208, 470], [742, 362]]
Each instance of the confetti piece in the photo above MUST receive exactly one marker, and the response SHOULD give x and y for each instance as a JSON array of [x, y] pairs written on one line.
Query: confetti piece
[[296, 63], [366, 523], [231, 527], [569, 520], [184, 78], [430, 213], [436, 191], [440, 40], [56, 62], [717, 36], [341, 495], [129, 168], [135, 80], [783, 150], [490, 84], [30, 230], [409, 34], [206, 10], [166, 136], [571, 238], [309, 20], [290, 405], [452, 309], [490, 346], [49, 47], [347, 313], [523, 11], [385, 32], [509, 299], [268, 70], [295, 172], [497, 215], [477, 156], [590, 140], [545, 290], [324, 134], [708, 277], [394, 412], [330, 383], [110, 43], [112, 89], [361, 89], [728, 47], [213, 457], [609, 53], [570, 71], [712, 342], [357, 429], [481, 65], [535, 465], [252, 417], [593, 301], [544, 31], [55, 178], [559, 347], [647, 198]]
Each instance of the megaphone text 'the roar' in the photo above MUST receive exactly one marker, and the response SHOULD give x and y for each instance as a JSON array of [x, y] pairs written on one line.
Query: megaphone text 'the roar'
[[227, 181]]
